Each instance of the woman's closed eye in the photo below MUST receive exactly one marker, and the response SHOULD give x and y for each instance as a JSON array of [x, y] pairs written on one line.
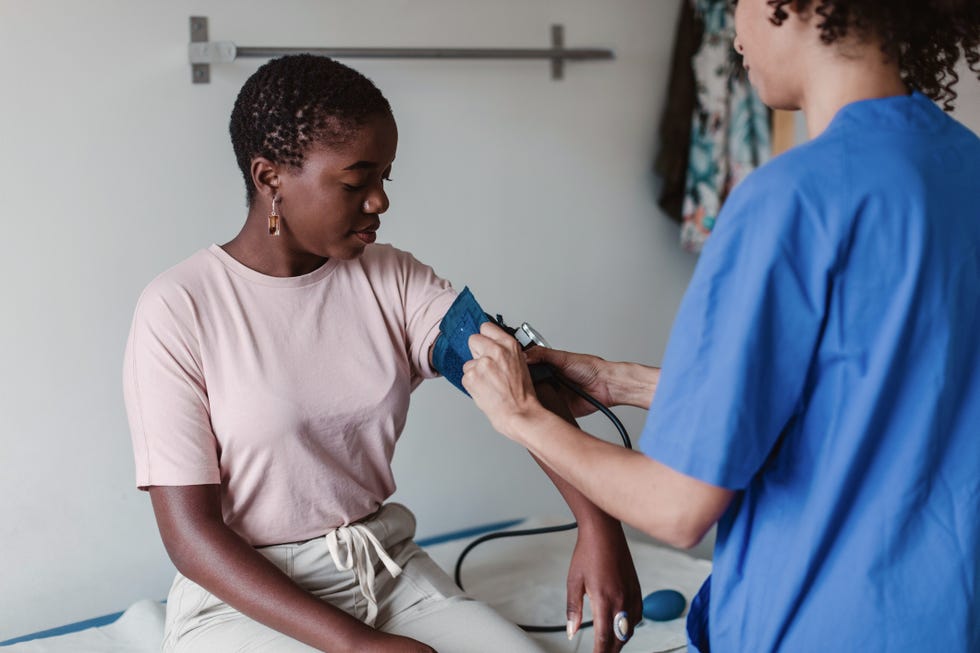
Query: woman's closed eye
[[361, 186]]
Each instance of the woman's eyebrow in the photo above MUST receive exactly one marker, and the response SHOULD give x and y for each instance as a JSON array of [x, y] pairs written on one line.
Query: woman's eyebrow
[[360, 165]]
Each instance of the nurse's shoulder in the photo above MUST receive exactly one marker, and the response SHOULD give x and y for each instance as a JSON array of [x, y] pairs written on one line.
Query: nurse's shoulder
[[797, 194]]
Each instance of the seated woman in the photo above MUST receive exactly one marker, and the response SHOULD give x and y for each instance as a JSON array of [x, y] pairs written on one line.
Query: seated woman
[[267, 381]]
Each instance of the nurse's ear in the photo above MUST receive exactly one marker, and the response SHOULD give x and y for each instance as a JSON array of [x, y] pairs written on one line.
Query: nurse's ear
[[265, 177]]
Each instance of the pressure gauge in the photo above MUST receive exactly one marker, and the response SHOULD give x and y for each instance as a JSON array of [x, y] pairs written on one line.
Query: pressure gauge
[[527, 336]]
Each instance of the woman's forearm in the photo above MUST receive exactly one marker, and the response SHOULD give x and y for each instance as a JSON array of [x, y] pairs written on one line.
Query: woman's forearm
[[228, 567], [210, 554], [587, 514]]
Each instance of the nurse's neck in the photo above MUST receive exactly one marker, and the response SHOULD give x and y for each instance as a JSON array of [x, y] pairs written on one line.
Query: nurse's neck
[[845, 72]]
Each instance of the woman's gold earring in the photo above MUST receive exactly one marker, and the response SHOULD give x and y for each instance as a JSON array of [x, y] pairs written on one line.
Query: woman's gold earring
[[274, 218]]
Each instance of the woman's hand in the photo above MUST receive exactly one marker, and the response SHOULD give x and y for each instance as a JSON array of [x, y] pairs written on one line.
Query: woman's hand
[[602, 568], [497, 377]]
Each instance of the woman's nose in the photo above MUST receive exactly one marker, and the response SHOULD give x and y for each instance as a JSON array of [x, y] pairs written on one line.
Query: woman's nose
[[377, 202]]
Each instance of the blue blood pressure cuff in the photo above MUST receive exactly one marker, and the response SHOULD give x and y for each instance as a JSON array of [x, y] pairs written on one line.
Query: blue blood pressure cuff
[[452, 347]]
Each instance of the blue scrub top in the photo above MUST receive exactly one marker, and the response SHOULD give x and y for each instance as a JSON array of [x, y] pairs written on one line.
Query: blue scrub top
[[825, 364]]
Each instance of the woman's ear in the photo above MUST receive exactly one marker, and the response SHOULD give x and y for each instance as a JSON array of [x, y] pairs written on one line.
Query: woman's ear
[[265, 176]]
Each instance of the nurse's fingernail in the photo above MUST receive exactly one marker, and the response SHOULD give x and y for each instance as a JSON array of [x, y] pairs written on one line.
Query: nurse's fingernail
[[570, 629]]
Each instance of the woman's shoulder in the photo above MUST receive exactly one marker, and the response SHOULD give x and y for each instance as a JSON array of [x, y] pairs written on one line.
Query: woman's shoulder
[[175, 285], [385, 258], [387, 266]]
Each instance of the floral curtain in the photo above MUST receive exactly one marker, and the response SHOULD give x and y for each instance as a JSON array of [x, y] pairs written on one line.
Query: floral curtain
[[730, 130]]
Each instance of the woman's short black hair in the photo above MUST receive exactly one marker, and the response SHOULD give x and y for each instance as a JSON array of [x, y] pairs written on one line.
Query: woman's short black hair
[[295, 102], [925, 37]]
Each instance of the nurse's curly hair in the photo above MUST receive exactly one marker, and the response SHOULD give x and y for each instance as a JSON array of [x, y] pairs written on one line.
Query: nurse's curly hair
[[293, 103], [926, 37]]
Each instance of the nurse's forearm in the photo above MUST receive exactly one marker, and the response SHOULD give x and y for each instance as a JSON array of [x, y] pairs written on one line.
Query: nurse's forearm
[[626, 484], [632, 384], [612, 383]]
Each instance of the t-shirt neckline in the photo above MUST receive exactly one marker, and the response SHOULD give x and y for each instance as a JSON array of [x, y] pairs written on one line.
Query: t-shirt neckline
[[248, 273]]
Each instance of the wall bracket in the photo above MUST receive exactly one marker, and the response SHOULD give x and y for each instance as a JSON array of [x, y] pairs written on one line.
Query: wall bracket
[[203, 52]]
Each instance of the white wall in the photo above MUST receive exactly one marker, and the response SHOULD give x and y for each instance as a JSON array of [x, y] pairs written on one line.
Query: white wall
[[114, 167]]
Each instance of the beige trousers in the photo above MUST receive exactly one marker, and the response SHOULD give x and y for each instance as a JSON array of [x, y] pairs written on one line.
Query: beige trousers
[[353, 568]]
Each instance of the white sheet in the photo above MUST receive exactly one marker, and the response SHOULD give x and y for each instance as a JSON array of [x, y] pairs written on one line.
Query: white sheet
[[138, 630], [524, 578]]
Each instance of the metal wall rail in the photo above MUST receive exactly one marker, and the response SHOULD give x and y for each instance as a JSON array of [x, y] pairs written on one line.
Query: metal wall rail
[[202, 52]]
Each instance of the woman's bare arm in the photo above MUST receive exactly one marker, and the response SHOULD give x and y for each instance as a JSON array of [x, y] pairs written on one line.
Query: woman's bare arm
[[209, 553]]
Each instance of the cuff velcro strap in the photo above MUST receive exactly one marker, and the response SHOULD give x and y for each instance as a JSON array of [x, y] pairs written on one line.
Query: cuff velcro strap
[[452, 348]]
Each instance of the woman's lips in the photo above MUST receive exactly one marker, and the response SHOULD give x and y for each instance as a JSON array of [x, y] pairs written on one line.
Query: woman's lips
[[368, 235]]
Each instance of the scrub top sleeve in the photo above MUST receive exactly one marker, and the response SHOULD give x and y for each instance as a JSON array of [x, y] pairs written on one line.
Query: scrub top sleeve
[[743, 340]]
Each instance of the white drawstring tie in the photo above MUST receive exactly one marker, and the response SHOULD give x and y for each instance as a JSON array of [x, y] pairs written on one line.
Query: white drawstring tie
[[359, 542]]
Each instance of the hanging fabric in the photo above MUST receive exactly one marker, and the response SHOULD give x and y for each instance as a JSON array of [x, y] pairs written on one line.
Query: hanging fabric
[[675, 123], [730, 132]]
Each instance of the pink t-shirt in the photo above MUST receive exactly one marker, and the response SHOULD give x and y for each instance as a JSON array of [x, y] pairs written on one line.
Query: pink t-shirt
[[289, 392]]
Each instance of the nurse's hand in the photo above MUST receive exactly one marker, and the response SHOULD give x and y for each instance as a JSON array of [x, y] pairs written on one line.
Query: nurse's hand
[[583, 370], [497, 377], [612, 383]]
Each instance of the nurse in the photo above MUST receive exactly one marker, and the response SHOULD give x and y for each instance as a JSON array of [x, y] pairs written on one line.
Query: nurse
[[820, 393]]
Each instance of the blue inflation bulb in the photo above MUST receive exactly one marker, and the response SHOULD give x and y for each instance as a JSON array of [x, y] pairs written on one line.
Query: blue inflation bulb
[[452, 348], [663, 605]]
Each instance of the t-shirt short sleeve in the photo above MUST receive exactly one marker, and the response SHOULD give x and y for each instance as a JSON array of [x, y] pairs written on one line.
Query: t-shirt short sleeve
[[742, 343], [427, 298], [165, 394]]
